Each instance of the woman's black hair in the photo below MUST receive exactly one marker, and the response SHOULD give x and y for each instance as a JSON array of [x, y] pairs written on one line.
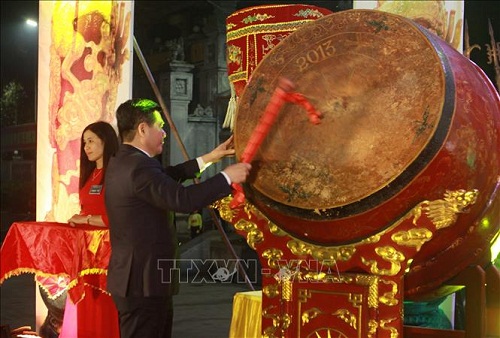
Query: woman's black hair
[[108, 136]]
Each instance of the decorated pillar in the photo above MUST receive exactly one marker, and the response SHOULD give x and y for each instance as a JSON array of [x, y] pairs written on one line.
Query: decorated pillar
[[84, 74], [177, 84]]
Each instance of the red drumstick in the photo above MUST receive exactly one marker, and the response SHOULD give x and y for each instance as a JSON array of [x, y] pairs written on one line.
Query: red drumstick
[[267, 119], [281, 94]]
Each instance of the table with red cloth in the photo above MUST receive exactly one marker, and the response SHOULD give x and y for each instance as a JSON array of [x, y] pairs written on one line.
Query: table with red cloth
[[74, 256], [62, 258]]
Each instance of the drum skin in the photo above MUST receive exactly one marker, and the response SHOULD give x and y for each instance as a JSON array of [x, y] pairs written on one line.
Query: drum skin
[[406, 118]]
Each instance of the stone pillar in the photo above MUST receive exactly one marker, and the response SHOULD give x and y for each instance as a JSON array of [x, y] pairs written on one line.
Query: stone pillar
[[177, 89]]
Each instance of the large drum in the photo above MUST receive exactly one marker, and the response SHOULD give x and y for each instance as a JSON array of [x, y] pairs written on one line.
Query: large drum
[[406, 118]]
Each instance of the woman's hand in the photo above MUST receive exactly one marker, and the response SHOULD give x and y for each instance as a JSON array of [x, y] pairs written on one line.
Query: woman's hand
[[78, 219], [95, 220]]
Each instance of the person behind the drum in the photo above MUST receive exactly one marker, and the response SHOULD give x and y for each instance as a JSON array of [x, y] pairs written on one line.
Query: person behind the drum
[[195, 223], [141, 197], [95, 315]]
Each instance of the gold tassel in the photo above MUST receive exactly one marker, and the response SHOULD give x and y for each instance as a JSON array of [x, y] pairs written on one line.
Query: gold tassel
[[231, 109]]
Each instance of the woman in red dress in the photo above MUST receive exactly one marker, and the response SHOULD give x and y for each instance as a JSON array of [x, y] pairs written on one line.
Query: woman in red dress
[[95, 315]]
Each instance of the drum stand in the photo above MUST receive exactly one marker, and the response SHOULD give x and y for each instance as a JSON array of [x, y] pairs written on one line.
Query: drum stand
[[354, 290]]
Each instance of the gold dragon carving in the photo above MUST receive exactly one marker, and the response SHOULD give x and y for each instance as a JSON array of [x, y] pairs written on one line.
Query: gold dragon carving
[[442, 213]]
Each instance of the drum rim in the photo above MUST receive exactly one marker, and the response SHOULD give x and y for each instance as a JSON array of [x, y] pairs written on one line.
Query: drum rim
[[404, 179]]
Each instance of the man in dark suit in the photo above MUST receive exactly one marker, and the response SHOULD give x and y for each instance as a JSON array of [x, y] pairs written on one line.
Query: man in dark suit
[[140, 195]]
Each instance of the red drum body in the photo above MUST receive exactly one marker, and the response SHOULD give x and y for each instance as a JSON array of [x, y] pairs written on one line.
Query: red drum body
[[406, 119]]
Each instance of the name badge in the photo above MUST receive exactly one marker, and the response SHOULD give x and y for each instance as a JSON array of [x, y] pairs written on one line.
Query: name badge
[[95, 189]]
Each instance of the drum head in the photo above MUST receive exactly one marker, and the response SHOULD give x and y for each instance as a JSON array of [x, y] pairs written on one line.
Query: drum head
[[379, 85]]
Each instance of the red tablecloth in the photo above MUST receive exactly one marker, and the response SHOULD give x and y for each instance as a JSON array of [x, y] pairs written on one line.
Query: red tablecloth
[[69, 257]]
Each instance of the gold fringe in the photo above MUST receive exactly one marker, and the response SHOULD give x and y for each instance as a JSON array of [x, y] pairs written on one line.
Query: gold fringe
[[98, 289], [231, 109], [71, 284], [14, 273], [93, 271]]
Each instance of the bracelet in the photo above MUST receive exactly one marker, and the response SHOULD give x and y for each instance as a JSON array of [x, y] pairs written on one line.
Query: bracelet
[[88, 219]]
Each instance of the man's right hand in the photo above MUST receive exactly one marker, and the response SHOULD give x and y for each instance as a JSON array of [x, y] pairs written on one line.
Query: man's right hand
[[238, 173]]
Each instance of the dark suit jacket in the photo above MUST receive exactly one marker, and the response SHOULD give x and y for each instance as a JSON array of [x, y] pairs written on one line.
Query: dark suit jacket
[[139, 197]]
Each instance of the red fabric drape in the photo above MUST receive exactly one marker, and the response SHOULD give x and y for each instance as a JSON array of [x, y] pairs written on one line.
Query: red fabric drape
[[73, 256]]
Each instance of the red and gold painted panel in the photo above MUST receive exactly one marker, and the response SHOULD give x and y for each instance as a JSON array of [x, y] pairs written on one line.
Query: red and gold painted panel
[[84, 73], [252, 32], [441, 17]]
